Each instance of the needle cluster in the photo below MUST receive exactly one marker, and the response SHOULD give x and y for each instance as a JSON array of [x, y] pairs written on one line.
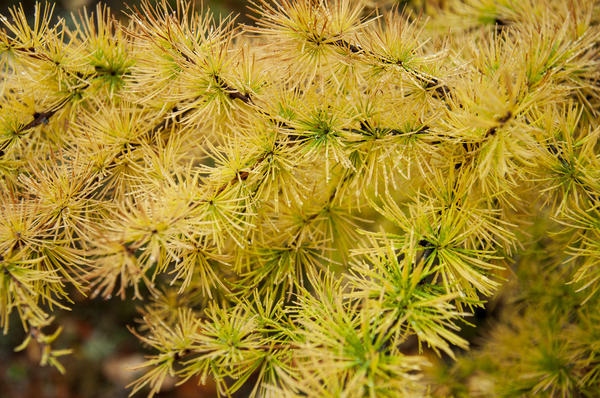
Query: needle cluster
[[313, 205]]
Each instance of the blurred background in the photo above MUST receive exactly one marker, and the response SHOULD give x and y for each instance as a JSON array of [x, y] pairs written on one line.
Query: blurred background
[[64, 8]]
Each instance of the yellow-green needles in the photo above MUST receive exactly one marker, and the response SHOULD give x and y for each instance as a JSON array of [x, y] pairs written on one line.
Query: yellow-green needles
[[316, 204]]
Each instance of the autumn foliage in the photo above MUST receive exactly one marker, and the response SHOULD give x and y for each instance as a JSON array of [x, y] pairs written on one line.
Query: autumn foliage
[[315, 204]]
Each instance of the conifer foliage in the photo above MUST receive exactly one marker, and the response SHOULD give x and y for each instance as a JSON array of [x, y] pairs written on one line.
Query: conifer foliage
[[317, 204]]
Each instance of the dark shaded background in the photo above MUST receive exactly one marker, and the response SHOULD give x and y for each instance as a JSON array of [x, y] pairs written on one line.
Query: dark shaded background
[[63, 8]]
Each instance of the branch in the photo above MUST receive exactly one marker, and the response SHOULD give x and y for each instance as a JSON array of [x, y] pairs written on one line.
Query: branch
[[440, 90]]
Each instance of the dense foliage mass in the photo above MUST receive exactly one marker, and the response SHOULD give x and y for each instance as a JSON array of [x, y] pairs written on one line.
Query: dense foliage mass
[[316, 204]]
